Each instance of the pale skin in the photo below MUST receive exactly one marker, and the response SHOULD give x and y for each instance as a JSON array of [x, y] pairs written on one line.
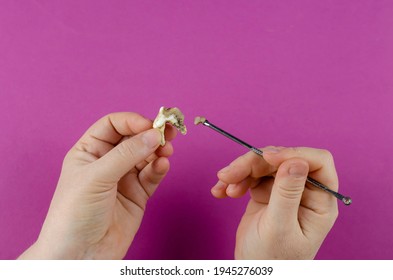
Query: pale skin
[[105, 183], [285, 218], [111, 172]]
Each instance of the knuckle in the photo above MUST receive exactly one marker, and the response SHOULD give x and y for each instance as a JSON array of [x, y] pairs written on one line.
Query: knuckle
[[242, 161], [267, 147], [291, 192], [335, 215], [295, 161], [291, 189], [295, 150], [331, 218], [127, 150], [291, 183], [82, 146], [328, 156], [69, 155]]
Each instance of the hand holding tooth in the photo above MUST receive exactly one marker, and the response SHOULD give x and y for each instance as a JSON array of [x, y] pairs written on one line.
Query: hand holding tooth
[[169, 115]]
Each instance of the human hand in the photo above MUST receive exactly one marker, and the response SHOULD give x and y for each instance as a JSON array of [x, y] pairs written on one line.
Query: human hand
[[285, 218], [105, 182]]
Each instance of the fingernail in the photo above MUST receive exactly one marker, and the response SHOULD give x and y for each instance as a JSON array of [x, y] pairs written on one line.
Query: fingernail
[[224, 170], [272, 150], [151, 138], [298, 170]]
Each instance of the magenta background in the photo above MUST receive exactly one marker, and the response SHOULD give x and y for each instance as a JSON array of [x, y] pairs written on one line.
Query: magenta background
[[298, 73]]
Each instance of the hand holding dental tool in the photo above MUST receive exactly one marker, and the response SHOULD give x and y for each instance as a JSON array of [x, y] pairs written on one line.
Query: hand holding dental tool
[[202, 120]]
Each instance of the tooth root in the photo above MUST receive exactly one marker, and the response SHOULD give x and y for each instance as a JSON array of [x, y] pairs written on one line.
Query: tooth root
[[162, 130]]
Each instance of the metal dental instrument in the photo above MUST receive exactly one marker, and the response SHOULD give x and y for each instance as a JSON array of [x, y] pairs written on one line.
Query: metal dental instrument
[[201, 120]]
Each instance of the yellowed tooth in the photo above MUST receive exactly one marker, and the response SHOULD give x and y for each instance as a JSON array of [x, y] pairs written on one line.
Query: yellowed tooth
[[169, 115]]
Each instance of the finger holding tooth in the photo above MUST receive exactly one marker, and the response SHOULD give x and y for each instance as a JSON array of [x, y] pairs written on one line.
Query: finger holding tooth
[[169, 115]]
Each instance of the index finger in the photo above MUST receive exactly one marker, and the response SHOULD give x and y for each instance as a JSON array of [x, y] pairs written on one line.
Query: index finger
[[247, 165], [114, 126], [107, 132], [321, 162]]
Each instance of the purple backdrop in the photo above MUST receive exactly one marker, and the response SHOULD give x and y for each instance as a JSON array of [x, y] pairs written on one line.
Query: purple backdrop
[[298, 73]]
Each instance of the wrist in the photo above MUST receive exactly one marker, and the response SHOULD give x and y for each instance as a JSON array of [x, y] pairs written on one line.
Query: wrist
[[43, 249]]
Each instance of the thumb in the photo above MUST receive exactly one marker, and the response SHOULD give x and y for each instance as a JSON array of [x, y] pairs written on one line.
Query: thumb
[[287, 190], [126, 155]]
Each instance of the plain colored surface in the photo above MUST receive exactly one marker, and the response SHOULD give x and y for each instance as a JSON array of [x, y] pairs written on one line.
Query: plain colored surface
[[291, 73]]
